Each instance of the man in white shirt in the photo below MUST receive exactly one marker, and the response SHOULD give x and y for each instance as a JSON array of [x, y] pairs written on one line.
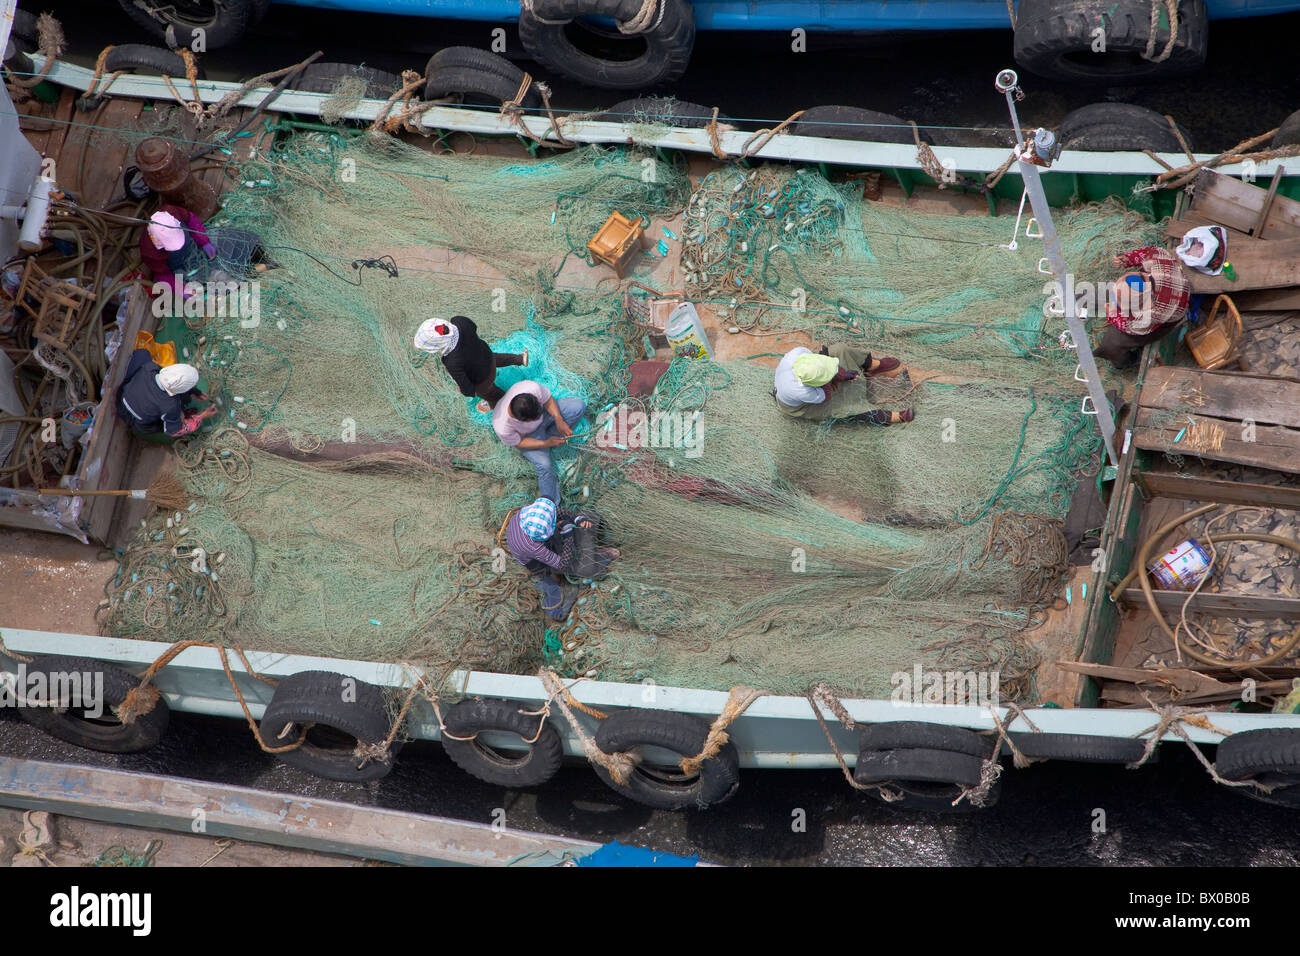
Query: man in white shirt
[[817, 386]]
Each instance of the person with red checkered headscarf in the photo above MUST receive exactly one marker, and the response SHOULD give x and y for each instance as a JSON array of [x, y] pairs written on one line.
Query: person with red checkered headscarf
[[1150, 301]]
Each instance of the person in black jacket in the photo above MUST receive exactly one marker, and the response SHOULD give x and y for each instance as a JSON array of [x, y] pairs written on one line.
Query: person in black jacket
[[467, 358], [152, 397]]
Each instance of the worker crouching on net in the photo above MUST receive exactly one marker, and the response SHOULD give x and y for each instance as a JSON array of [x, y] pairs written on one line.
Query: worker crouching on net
[[1149, 302], [551, 543], [821, 385], [469, 361], [530, 419], [152, 398]]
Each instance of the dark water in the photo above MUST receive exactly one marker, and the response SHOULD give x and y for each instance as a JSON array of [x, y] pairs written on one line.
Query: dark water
[[1167, 814]]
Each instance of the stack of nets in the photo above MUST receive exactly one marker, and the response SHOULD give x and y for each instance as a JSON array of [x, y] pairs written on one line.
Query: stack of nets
[[358, 498]]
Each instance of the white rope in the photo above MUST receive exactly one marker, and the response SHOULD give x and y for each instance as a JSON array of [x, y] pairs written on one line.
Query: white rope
[[1171, 7], [640, 23]]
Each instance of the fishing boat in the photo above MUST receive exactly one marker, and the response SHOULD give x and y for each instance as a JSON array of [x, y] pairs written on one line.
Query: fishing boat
[[647, 44], [902, 603]]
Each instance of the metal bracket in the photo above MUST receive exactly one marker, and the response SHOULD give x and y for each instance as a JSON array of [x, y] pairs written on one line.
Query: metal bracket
[[1029, 226], [1086, 407]]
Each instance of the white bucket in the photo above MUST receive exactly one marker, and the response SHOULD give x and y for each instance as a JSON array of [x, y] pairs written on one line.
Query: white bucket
[[1181, 567], [685, 333]]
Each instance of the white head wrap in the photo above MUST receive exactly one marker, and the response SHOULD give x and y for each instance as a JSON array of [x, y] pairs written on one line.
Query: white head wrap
[[177, 379], [1209, 239], [438, 336]]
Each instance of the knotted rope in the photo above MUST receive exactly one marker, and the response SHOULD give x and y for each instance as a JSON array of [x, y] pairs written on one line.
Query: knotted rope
[[50, 43], [1171, 7], [640, 22], [738, 702], [620, 765]]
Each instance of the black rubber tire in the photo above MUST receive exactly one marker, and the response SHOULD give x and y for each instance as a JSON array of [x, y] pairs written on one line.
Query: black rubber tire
[[1054, 38], [260, 10], [314, 699], [1253, 752], [935, 797], [1288, 131], [666, 56], [24, 33], [660, 109], [226, 23], [535, 767], [1081, 748], [915, 734], [478, 86], [472, 58], [17, 62], [917, 764], [108, 736], [853, 122], [684, 734], [325, 77], [143, 58], [1103, 127]]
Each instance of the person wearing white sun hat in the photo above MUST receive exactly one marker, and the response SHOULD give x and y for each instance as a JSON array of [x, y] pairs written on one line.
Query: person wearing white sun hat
[[466, 357], [152, 397]]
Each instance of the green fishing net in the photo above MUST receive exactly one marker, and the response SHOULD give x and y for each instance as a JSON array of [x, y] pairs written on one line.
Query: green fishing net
[[357, 499]]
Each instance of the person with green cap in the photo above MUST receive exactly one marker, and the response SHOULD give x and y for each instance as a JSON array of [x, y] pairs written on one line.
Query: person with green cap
[[817, 386]]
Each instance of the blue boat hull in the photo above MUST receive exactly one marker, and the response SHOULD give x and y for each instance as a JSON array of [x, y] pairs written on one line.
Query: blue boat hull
[[821, 16]]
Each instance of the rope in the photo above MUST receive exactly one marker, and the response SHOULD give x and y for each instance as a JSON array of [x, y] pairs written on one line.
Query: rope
[[640, 23], [50, 40], [750, 147], [1171, 7], [1172, 717], [21, 658], [822, 693], [619, 766], [1182, 175], [738, 702], [410, 80], [995, 177], [718, 151]]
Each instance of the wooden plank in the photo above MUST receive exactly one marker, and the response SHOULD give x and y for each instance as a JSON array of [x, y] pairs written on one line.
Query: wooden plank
[[1267, 300], [263, 816], [1176, 228], [1274, 447], [1164, 485], [1230, 202], [1266, 264], [1241, 397], [106, 455], [1258, 231], [1222, 605]]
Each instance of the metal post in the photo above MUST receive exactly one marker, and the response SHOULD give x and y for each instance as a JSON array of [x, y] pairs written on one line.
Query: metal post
[[1006, 83]]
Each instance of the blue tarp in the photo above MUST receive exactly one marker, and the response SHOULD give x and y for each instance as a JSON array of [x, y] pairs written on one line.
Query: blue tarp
[[616, 854]]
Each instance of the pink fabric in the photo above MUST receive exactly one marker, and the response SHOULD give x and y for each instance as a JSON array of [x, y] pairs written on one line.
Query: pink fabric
[[155, 259], [511, 430]]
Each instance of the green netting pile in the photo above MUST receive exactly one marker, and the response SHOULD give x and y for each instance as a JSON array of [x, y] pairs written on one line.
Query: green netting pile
[[787, 250], [356, 498]]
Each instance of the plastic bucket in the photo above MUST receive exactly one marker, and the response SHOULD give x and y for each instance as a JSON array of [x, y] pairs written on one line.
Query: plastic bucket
[[1181, 567]]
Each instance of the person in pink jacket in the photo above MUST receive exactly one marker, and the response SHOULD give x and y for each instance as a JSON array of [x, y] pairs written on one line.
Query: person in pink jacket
[[171, 245]]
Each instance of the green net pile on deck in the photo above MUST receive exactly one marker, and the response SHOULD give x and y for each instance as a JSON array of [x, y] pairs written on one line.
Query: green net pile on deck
[[351, 503]]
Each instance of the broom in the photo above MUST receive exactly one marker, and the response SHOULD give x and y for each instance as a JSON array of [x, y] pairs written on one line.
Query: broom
[[165, 491]]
